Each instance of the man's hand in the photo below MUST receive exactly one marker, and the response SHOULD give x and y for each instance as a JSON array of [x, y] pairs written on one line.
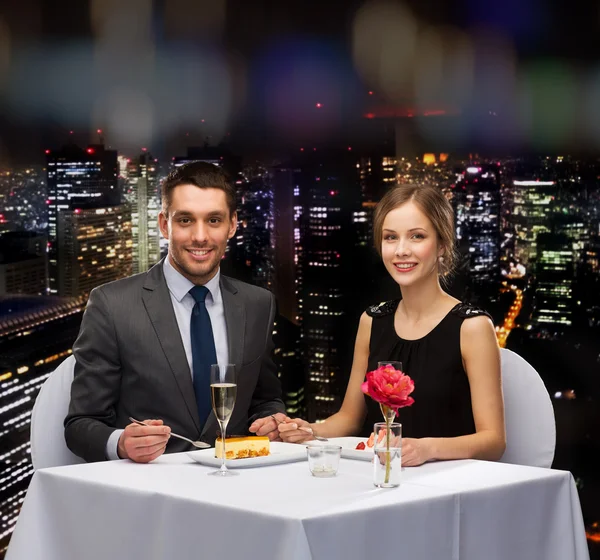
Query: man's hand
[[268, 426], [143, 444]]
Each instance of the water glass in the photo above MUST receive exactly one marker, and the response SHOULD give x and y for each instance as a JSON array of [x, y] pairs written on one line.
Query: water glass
[[323, 460], [395, 365], [387, 460]]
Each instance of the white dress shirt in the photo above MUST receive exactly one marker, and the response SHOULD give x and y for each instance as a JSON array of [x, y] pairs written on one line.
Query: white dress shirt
[[183, 304]]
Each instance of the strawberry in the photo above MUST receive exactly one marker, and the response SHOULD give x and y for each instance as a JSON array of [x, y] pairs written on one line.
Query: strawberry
[[361, 445]]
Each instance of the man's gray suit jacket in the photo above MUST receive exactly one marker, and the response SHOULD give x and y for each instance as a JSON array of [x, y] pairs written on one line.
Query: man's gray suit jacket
[[130, 361]]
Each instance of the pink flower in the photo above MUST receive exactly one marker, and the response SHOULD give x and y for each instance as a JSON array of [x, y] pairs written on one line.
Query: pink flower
[[389, 387]]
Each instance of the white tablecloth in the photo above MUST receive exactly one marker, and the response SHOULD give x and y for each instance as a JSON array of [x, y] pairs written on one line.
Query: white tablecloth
[[467, 510]]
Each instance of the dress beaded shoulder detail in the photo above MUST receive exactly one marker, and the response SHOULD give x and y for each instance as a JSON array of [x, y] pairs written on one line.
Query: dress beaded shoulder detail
[[467, 310], [383, 308]]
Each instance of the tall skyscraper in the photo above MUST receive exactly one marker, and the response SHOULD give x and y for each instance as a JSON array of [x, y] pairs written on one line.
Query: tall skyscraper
[[478, 224], [290, 370], [256, 216], [533, 205], [95, 248], [286, 239], [22, 263], [209, 154], [588, 282], [554, 283], [36, 334], [77, 179], [144, 198], [377, 175], [329, 191]]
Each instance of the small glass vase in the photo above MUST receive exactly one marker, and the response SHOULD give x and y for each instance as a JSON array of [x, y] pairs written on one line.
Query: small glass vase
[[387, 460]]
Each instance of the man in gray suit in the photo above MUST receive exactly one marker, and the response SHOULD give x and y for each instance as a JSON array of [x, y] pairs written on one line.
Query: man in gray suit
[[136, 348]]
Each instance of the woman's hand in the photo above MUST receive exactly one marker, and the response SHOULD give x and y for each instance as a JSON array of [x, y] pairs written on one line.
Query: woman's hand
[[296, 431], [415, 452]]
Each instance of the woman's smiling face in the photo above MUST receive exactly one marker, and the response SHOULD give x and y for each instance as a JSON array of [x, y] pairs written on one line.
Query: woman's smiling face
[[410, 246]]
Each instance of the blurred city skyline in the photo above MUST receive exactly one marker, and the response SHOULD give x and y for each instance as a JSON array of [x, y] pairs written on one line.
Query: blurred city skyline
[[516, 76]]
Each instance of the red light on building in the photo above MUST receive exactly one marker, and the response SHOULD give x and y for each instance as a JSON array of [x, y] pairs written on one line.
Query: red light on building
[[318, 105], [301, 149], [332, 193], [47, 151], [77, 210], [47, 201], [370, 116], [71, 132], [370, 93], [349, 148], [144, 149], [99, 131], [90, 150]]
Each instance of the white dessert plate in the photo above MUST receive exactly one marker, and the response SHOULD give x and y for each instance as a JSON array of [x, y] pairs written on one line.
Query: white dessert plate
[[280, 452], [349, 450]]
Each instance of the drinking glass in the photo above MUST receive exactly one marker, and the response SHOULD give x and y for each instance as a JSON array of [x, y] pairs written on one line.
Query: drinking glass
[[323, 460], [223, 390], [395, 365], [387, 462]]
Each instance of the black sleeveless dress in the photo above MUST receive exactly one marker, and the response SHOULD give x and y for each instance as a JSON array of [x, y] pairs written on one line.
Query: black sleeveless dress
[[442, 406]]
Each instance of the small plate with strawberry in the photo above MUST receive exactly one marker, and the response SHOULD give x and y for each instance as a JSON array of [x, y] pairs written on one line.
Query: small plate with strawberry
[[357, 447]]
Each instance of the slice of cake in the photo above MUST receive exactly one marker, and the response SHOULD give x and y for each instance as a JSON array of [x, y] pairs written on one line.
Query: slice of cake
[[243, 447]]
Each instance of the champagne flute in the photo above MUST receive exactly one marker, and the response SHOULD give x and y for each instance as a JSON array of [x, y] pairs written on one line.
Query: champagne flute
[[223, 390]]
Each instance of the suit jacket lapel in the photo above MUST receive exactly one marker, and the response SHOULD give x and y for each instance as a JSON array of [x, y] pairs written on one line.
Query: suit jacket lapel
[[235, 322], [157, 299]]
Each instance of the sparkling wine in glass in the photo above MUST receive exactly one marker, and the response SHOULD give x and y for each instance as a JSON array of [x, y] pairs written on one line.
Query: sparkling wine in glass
[[223, 390]]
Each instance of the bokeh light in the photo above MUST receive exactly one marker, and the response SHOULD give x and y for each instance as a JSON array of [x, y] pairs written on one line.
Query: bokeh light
[[548, 102], [195, 19], [384, 46], [5, 51]]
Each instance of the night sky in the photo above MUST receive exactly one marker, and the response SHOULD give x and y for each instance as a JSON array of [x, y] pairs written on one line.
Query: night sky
[[282, 57]]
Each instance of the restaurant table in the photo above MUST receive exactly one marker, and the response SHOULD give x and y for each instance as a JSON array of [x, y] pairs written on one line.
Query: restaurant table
[[171, 509]]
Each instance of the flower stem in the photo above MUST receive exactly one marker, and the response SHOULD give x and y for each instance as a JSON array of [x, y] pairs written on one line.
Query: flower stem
[[387, 451], [388, 414]]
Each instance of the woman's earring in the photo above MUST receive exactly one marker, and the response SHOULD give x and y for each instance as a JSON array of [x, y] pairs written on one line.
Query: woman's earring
[[441, 259]]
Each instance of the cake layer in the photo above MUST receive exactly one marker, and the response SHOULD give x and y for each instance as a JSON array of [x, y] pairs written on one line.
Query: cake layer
[[243, 447]]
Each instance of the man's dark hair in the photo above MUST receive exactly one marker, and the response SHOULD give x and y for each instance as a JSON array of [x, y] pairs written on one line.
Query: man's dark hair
[[201, 174]]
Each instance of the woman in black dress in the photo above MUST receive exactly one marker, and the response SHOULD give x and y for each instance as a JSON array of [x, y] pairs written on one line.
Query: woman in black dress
[[447, 347]]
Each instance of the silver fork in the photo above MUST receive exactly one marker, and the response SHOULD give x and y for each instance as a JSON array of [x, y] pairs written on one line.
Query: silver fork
[[304, 429], [198, 444]]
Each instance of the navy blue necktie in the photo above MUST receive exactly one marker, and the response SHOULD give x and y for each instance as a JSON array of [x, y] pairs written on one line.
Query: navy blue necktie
[[204, 353]]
